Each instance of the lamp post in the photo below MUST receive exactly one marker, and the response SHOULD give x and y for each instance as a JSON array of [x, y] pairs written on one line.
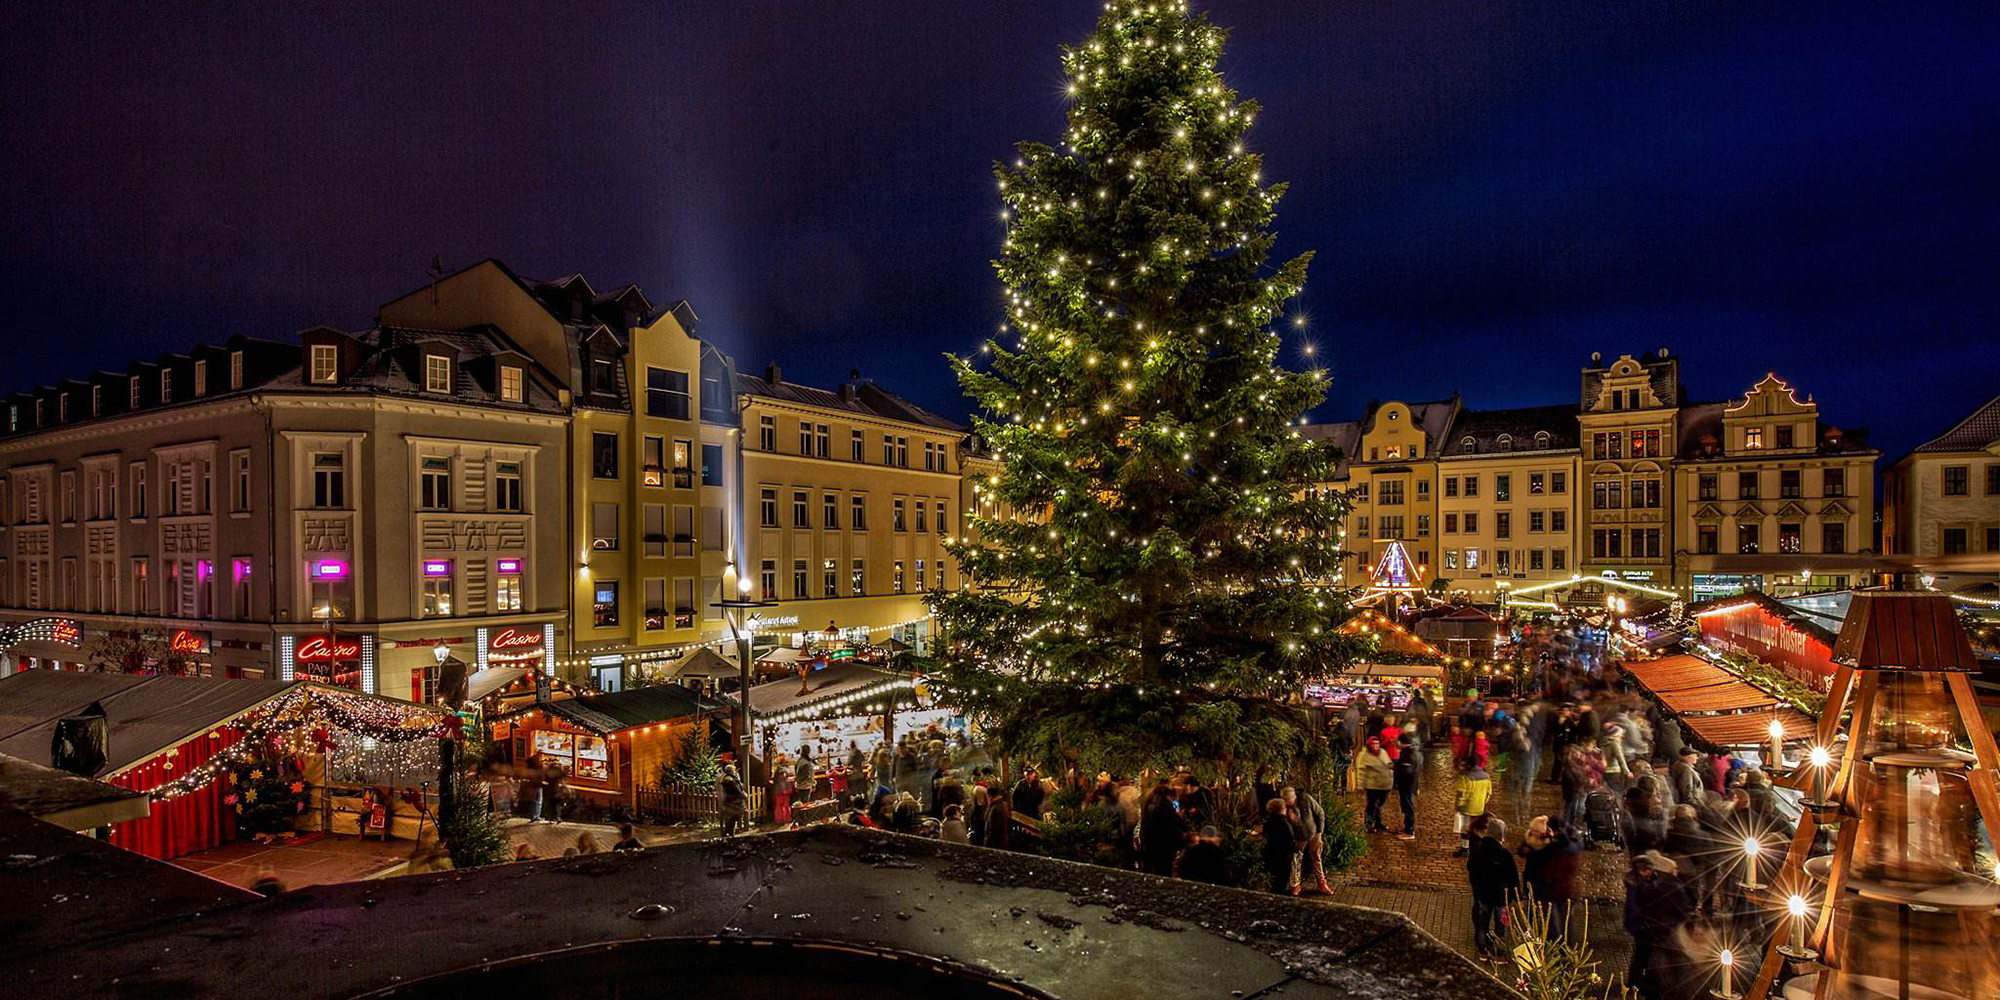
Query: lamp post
[[736, 605]]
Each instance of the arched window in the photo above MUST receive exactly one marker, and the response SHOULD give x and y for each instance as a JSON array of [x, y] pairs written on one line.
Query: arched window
[[1541, 439], [1506, 442], [1467, 444]]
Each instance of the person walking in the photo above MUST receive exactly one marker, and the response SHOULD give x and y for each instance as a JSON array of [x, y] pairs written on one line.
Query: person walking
[[1657, 906], [1311, 819], [1281, 846], [1475, 787], [1408, 767], [975, 817], [953, 830], [1377, 777], [805, 777], [1690, 787], [1550, 869], [1205, 860], [1490, 870], [781, 792], [857, 762]]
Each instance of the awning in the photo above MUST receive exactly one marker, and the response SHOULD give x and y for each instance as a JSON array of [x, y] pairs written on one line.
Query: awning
[[1736, 697], [842, 681], [1390, 671], [486, 682], [605, 714], [1748, 729], [783, 656]]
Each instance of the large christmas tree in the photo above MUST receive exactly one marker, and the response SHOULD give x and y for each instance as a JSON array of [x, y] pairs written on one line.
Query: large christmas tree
[[1156, 581]]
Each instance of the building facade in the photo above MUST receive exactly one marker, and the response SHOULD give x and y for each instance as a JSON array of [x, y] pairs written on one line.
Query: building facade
[[1626, 425], [849, 495], [1389, 466], [1941, 504], [342, 509], [1772, 499], [1507, 500]]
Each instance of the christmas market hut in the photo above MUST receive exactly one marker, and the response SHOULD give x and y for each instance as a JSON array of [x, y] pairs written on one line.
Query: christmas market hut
[[846, 702], [217, 755], [605, 746]]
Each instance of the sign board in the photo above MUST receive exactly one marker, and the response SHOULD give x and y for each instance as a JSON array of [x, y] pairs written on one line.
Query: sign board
[[190, 641], [1752, 630], [328, 649], [515, 643]]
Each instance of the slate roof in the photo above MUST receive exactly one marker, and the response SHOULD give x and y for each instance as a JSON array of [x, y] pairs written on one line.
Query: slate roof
[[1700, 430], [858, 396], [1520, 424], [1661, 372], [840, 677], [392, 362], [1979, 431], [144, 713]]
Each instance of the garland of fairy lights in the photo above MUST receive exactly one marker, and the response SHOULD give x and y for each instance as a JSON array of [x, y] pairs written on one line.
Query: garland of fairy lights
[[292, 724]]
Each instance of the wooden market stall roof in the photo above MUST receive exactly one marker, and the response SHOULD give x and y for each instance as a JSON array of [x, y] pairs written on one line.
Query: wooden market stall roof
[[1679, 673], [605, 714], [1390, 671], [840, 679], [1735, 697], [1745, 729], [1394, 637], [491, 681], [1903, 630]]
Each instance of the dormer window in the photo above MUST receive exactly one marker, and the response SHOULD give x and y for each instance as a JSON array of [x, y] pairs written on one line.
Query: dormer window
[[325, 363], [96, 400], [1541, 439], [166, 387], [135, 391], [510, 384], [236, 369], [601, 376], [437, 373], [41, 412], [201, 378], [1467, 443], [62, 408], [1753, 437], [1506, 442]]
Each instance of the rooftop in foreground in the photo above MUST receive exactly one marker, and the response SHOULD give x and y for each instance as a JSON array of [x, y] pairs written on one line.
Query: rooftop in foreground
[[95, 924]]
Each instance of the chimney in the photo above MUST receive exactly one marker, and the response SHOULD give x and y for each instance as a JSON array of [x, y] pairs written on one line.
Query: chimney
[[774, 374], [848, 392]]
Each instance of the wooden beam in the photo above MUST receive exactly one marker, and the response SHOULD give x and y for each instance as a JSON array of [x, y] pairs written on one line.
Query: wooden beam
[[1829, 724], [1981, 738]]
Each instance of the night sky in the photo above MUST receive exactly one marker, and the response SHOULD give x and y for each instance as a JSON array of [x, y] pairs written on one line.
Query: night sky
[[1495, 189]]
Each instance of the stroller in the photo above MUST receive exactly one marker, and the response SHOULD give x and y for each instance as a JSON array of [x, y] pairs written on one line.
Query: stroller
[[1600, 812]]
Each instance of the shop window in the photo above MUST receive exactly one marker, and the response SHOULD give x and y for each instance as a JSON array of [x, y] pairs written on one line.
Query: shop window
[[423, 684], [1451, 559], [603, 455], [329, 480], [435, 491], [604, 604], [507, 487], [604, 526], [507, 591]]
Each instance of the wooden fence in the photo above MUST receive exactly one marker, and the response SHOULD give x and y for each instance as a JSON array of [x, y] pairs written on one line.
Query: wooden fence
[[679, 803]]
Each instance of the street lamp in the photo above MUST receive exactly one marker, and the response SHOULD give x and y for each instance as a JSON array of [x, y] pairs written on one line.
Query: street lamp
[[736, 610]]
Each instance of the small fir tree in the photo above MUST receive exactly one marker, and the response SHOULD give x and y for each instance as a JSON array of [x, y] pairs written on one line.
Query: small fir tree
[[471, 834], [696, 765], [1157, 574]]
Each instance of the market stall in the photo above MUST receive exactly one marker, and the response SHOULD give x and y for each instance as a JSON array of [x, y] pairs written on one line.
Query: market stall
[[218, 754], [605, 746]]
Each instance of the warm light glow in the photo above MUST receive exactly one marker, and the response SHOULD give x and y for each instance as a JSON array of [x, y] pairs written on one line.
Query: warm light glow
[[1820, 757], [1728, 958], [1796, 904], [1751, 847], [1777, 730]]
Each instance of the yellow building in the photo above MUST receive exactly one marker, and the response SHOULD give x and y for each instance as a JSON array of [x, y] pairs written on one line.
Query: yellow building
[[651, 454], [1626, 428], [1390, 465], [848, 497], [1941, 504], [1506, 495], [1771, 498]]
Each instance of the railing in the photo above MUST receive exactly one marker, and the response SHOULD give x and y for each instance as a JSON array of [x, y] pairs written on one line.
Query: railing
[[676, 803]]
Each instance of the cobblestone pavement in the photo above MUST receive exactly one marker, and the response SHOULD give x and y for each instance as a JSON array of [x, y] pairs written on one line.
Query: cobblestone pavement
[[1422, 878]]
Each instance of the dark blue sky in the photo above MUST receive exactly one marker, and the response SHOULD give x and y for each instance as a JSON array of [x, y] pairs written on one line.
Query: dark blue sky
[[1495, 189]]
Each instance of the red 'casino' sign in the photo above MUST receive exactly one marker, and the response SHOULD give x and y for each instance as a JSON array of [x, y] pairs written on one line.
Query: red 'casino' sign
[[1753, 630], [516, 642], [320, 649], [187, 640]]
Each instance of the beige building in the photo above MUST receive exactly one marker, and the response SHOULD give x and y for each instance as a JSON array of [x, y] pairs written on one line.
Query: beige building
[[1626, 428], [340, 509], [1941, 504], [849, 495], [1771, 498], [1390, 465], [1506, 494]]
